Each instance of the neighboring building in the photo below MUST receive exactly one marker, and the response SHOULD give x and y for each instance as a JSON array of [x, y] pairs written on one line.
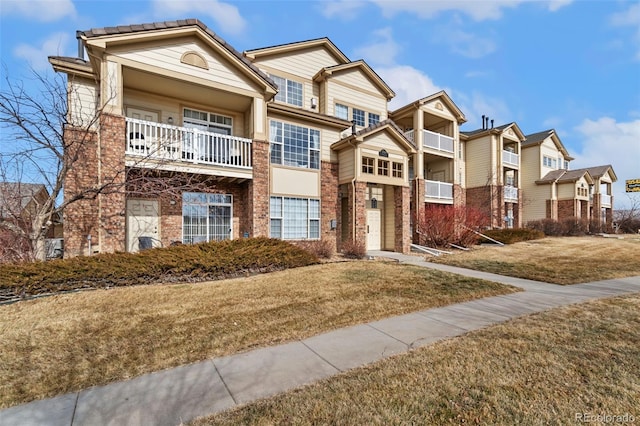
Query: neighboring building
[[493, 173], [552, 191]]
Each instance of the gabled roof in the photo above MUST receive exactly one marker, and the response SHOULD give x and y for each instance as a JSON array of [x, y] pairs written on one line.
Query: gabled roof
[[388, 124], [443, 96], [538, 138], [599, 171], [298, 45], [327, 72], [565, 176], [16, 196], [495, 130], [110, 34]]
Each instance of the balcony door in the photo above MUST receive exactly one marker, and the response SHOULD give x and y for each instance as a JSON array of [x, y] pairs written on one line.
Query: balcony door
[[141, 137]]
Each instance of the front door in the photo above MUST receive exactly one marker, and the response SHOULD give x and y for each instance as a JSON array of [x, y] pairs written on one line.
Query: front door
[[142, 224], [374, 233]]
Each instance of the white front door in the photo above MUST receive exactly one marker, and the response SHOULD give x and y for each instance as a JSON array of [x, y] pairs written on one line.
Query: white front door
[[142, 221], [374, 233]]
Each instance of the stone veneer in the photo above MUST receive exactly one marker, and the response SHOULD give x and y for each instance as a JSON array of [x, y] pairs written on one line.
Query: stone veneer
[[258, 203], [402, 216], [329, 203]]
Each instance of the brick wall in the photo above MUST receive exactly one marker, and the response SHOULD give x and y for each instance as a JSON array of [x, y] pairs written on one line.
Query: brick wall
[[417, 194], [481, 199], [402, 197], [80, 217], [552, 209], [258, 194], [329, 202], [566, 208]]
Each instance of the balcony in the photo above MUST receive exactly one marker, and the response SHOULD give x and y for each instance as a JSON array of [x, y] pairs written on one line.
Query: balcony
[[433, 140], [605, 200], [510, 159], [510, 194], [439, 190], [163, 144]]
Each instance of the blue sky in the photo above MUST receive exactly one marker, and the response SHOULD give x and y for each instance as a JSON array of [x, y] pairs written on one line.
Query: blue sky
[[572, 65]]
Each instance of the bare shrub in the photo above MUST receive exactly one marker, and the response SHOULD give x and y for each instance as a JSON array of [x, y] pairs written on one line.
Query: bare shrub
[[441, 226], [354, 250], [320, 248]]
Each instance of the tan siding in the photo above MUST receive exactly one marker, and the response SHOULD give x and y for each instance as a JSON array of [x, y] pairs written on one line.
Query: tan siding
[[566, 191], [346, 167], [443, 165], [534, 197], [480, 164], [389, 227], [549, 149], [444, 112], [83, 101], [167, 57], [351, 97], [287, 181], [305, 63], [356, 78]]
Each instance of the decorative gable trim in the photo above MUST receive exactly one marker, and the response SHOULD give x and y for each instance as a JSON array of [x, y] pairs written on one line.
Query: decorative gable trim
[[195, 59]]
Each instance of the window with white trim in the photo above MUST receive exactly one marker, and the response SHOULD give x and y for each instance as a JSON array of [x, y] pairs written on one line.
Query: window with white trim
[[383, 167], [373, 119], [549, 162], [396, 170], [207, 121], [342, 111], [293, 145], [358, 117], [289, 91], [206, 217], [368, 164], [294, 218]]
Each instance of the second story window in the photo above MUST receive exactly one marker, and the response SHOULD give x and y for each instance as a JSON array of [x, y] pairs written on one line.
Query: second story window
[[383, 167], [549, 162], [397, 170], [367, 165], [358, 117], [293, 145], [289, 91], [207, 121], [373, 119], [342, 111]]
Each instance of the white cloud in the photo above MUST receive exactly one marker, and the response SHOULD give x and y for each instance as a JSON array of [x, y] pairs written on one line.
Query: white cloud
[[409, 84], [226, 16], [477, 10], [39, 10], [342, 9], [467, 44], [607, 141], [629, 18], [56, 44], [382, 52]]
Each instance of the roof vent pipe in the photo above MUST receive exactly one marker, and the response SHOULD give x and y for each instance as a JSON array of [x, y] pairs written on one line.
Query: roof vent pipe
[[492, 124], [80, 46], [353, 127], [483, 121], [486, 123]]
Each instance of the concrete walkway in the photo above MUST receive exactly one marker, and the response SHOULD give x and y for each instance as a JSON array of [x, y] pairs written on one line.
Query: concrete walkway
[[181, 394]]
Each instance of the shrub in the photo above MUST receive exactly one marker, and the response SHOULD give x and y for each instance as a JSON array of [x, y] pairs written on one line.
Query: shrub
[[510, 236], [549, 227], [573, 226], [441, 226], [183, 263], [320, 248], [630, 225], [354, 250]]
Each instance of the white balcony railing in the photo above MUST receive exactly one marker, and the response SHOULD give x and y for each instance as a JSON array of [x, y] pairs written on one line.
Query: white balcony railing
[[433, 140], [510, 158], [164, 142], [605, 200], [439, 190], [510, 193]]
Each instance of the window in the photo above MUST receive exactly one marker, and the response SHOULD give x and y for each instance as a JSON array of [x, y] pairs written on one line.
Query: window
[[383, 167], [342, 111], [396, 171], [373, 119], [206, 217], [207, 121], [550, 162], [367, 165], [289, 91], [566, 165], [358, 117], [294, 218], [293, 145]]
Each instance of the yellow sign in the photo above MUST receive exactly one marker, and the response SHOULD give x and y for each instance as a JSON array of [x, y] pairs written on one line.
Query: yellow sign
[[633, 185]]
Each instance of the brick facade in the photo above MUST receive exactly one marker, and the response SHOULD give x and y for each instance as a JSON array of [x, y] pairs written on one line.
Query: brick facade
[[417, 197], [329, 202], [402, 197], [566, 209], [258, 204], [484, 199]]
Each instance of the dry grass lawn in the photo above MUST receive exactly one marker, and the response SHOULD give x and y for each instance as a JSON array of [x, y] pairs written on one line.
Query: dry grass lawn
[[567, 260], [69, 342], [540, 369]]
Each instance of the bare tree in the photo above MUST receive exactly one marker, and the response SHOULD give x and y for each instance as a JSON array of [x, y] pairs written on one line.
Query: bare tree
[[43, 143], [628, 220]]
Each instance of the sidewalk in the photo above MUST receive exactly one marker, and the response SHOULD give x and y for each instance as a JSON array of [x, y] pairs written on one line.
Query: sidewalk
[[183, 393]]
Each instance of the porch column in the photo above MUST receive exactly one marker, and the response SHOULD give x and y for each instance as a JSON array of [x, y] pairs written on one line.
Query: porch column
[[402, 196], [259, 191]]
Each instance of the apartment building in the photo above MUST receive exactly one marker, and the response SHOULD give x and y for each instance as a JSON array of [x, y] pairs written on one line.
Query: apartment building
[[293, 141], [553, 191], [493, 173]]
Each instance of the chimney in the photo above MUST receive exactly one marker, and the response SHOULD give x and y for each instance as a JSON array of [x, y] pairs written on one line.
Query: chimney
[[483, 121], [492, 124], [80, 46]]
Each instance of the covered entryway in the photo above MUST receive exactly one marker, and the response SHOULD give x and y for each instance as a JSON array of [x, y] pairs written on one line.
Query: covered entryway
[[142, 224]]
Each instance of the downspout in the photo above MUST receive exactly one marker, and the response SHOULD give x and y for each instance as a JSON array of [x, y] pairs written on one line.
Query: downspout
[[353, 182]]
